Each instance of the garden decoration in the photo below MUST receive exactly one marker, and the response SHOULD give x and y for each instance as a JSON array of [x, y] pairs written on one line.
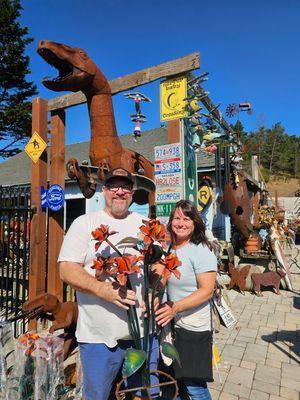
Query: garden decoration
[[78, 72], [63, 316], [138, 117], [38, 374], [151, 245], [232, 110]]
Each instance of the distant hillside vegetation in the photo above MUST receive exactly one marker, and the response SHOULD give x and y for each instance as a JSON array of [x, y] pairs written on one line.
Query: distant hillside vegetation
[[278, 153]]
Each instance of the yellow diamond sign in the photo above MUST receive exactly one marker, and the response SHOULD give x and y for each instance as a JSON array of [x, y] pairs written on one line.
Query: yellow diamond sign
[[35, 147]]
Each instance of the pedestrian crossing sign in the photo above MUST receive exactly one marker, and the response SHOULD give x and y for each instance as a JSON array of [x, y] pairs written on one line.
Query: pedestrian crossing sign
[[35, 147]]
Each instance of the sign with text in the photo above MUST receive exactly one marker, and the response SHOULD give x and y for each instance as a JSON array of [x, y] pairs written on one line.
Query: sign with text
[[35, 147], [172, 95], [168, 178]]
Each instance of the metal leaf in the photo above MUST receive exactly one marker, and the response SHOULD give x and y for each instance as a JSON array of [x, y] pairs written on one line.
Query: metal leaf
[[170, 351], [133, 361], [128, 241]]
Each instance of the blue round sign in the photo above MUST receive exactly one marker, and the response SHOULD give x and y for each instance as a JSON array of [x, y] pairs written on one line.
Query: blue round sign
[[55, 197]]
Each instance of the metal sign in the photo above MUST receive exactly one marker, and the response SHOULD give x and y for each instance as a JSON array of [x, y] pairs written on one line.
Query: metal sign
[[168, 178], [35, 147], [172, 95], [189, 164], [53, 198]]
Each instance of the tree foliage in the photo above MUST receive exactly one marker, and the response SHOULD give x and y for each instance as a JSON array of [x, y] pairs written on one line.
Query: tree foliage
[[15, 90], [278, 153]]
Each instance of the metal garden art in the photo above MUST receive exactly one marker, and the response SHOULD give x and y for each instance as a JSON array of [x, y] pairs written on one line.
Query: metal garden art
[[138, 117], [151, 245], [78, 72]]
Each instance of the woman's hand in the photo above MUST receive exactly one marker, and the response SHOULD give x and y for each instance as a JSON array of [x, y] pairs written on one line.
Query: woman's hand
[[166, 313]]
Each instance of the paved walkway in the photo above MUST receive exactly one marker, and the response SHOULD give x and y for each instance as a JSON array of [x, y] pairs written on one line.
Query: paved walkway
[[260, 355]]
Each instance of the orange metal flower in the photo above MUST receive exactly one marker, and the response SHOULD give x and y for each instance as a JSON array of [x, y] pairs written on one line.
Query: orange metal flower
[[154, 231], [171, 263], [123, 266], [28, 339], [101, 234]]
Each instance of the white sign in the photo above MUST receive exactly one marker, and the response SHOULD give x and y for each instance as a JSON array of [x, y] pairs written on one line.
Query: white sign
[[225, 312]]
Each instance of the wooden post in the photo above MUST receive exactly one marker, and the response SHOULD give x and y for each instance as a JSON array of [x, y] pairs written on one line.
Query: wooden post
[[56, 218], [174, 131], [255, 209], [37, 262]]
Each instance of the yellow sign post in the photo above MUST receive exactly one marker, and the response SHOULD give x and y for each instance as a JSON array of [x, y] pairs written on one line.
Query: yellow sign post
[[35, 147], [172, 95]]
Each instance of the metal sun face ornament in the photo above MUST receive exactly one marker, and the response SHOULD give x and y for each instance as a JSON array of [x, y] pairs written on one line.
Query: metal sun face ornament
[[138, 117]]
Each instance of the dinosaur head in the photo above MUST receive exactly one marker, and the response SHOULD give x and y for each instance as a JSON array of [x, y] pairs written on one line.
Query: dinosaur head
[[76, 71]]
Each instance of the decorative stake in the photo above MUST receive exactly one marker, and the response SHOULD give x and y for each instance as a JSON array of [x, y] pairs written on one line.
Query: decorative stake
[[138, 118]]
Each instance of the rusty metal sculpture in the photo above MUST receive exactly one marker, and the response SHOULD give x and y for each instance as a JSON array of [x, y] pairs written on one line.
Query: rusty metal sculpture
[[236, 195], [78, 72], [63, 315]]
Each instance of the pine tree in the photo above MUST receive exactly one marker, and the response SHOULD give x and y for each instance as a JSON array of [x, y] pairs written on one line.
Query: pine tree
[[15, 90]]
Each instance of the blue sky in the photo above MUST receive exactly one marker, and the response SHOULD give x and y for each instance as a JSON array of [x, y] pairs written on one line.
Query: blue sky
[[250, 48]]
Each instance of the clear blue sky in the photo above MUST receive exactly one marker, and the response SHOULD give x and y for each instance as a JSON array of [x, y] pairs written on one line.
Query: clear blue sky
[[250, 48]]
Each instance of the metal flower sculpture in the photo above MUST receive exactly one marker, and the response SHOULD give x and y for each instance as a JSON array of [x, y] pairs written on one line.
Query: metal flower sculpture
[[152, 245]]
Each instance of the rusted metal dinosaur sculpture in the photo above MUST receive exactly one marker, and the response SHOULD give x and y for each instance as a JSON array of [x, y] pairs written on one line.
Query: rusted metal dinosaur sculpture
[[63, 315], [78, 72]]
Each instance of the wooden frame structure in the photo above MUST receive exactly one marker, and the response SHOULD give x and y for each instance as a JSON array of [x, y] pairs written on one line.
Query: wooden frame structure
[[48, 241]]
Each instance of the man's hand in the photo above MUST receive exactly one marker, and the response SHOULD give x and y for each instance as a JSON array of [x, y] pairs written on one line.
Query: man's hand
[[119, 295], [166, 313]]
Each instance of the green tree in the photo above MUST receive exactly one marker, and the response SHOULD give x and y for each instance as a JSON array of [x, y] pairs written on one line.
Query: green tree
[[15, 90]]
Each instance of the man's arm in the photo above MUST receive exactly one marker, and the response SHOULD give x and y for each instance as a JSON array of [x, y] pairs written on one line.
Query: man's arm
[[74, 275]]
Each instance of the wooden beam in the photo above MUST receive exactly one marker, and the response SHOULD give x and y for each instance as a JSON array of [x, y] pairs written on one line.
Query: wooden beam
[[126, 82], [56, 218], [37, 262]]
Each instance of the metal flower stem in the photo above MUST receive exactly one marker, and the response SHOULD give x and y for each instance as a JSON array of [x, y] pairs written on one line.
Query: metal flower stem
[[134, 328]]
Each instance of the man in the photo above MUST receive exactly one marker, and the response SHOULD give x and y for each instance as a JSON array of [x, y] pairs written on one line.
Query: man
[[102, 329]]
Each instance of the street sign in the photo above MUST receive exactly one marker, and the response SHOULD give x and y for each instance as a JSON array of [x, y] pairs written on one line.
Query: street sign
[[35, 147], [172, 95]]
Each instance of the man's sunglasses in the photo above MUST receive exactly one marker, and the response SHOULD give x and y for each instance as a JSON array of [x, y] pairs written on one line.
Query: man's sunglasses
[[115, 187]]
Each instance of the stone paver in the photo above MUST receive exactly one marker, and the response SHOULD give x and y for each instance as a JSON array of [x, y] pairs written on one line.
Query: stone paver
[[260, 356]]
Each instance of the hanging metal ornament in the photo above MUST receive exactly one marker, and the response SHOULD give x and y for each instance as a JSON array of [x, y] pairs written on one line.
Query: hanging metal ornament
[[138, 117], [246, 106], [232, 110]]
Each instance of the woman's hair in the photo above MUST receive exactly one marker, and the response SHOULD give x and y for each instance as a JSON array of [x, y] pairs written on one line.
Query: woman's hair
[[189, 209]]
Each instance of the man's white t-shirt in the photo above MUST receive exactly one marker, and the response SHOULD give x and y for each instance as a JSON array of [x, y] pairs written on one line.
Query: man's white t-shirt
[[100, 321]]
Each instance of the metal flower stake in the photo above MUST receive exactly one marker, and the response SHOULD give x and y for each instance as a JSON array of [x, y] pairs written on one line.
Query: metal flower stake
[[152, 245]]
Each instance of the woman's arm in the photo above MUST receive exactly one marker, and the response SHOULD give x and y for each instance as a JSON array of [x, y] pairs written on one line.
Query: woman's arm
[[206, 283]]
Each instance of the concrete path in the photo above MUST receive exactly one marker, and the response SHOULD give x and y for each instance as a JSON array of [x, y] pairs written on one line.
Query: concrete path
[[260, 355]]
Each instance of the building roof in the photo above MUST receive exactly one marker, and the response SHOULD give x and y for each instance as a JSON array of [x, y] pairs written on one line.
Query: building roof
[[17, 169]]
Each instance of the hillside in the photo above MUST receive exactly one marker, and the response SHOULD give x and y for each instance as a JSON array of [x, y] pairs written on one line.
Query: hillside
[[286, 187]]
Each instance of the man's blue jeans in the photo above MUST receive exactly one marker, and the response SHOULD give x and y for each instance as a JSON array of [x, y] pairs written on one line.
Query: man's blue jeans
[[193, 389], [101, 364]]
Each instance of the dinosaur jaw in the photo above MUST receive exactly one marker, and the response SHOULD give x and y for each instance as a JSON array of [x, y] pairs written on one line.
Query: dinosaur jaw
[[69, 77]]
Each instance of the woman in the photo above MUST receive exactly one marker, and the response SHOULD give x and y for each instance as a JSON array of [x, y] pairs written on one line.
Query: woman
[[188, 301]]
